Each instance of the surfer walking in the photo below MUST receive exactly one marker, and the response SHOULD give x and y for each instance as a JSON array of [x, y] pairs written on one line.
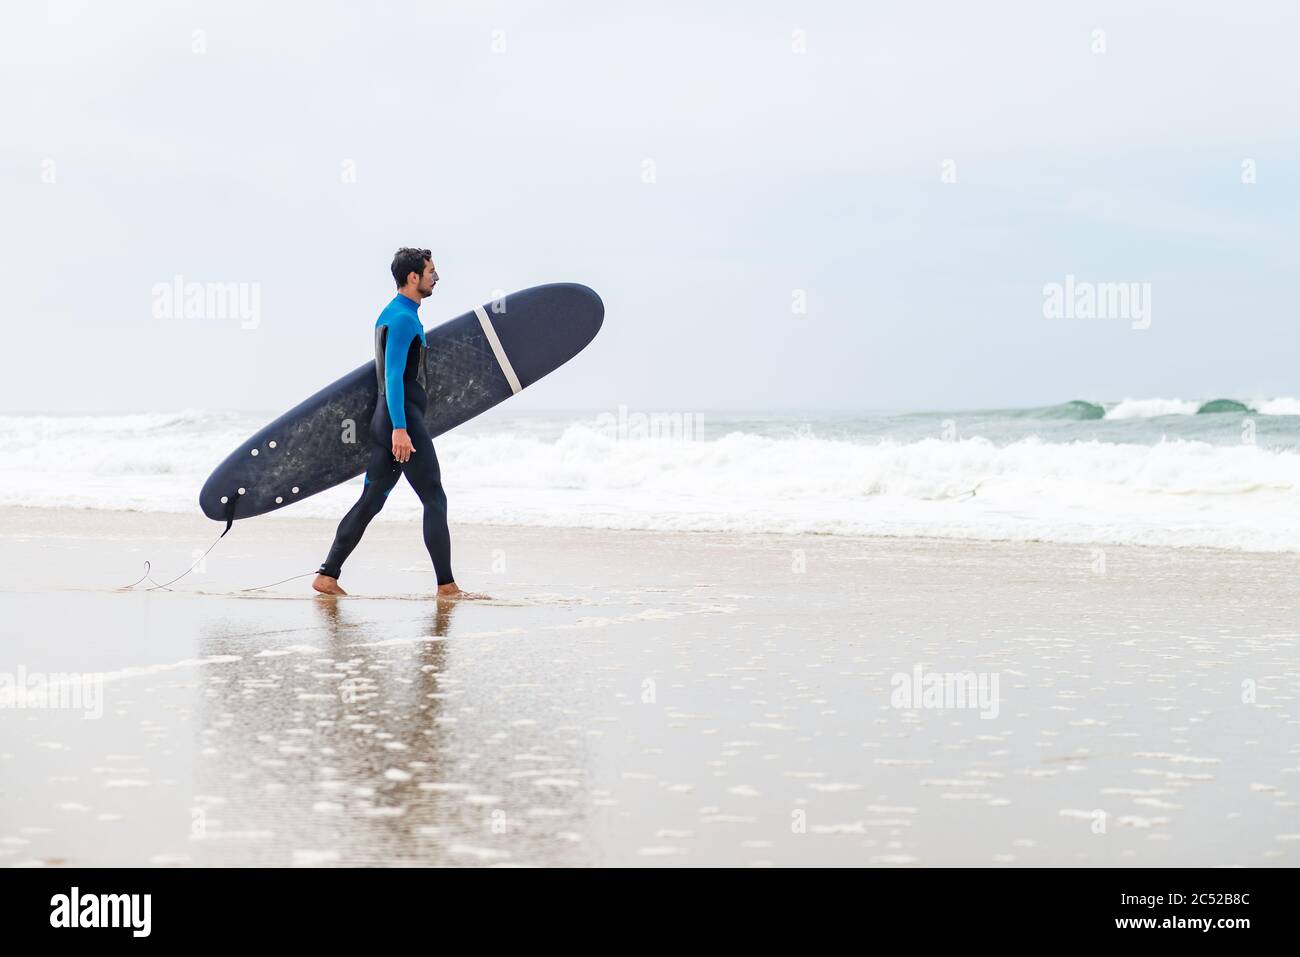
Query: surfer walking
[[400, 443]]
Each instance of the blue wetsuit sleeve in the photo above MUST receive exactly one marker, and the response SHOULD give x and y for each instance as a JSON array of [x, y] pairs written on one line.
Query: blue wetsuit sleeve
[[399, 343]]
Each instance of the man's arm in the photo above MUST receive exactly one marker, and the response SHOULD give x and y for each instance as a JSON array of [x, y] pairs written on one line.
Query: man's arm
[[399, 343]]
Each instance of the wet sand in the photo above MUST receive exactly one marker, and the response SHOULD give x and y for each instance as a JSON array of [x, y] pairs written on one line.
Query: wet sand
[[640, 698]]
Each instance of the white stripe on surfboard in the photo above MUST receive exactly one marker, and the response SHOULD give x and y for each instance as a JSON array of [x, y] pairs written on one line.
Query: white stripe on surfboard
[[502, 359]]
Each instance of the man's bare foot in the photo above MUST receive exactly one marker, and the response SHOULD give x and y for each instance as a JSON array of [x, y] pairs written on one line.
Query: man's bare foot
[[452, 590], [327, 586]]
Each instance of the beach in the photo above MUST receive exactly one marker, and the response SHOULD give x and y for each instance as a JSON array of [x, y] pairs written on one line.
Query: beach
[[636, 697]]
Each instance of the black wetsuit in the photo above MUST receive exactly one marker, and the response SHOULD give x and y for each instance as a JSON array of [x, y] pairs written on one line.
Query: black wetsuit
[[401, 398]]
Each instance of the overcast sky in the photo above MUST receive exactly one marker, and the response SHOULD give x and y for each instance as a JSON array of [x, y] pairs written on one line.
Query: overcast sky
[[793, 146]]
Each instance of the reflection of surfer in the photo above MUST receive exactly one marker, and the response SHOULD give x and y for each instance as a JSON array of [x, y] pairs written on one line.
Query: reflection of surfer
[[399, 440]]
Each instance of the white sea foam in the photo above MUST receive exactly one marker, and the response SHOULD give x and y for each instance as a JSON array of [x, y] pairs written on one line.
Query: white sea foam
[[1155, 408], [1164, 491], [1150, 408], [1282, 406]]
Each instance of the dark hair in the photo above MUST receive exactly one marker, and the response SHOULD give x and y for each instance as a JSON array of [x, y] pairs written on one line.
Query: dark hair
[[409, 260]]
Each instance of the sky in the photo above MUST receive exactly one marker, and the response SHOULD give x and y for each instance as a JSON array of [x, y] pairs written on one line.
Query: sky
[[785, 206]]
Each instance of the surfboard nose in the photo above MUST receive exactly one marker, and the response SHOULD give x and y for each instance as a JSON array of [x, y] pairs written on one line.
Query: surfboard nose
[[585, 310], [572, 306], [544, 327]]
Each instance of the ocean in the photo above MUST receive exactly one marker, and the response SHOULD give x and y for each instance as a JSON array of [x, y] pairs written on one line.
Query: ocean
[[1220, 473]]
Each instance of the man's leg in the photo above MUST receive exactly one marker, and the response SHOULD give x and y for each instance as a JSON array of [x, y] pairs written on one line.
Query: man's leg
[[381, 475], [426, 478]]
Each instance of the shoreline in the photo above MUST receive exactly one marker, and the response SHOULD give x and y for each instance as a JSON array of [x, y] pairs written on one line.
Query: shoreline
[[644, 698], [30, 519]]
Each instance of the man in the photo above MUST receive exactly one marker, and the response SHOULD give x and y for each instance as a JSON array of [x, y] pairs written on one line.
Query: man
[[400, 442]]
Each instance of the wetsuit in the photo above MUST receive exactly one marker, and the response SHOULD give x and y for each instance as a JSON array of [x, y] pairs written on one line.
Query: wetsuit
[[400, 380]]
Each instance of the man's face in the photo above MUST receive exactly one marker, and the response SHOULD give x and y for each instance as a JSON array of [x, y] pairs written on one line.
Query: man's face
[[427, 279]]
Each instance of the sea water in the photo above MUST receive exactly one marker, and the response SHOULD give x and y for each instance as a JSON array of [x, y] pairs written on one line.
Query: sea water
[[1223, 474]]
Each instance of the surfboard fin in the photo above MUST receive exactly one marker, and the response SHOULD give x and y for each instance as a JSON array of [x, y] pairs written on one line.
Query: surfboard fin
[[230, 514]]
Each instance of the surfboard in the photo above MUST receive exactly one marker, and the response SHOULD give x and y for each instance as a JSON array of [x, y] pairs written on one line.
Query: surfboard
[[473, 362]]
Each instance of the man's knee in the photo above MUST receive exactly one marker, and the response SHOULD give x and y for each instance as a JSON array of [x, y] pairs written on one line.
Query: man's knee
[[376, 495]]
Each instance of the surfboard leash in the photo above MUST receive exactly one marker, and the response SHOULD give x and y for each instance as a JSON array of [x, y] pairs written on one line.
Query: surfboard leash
[[163, 585], [230, 521], [140, 579], [314, 571]]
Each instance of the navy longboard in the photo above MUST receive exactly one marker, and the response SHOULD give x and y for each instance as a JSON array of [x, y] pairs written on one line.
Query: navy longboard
[[473, 362]]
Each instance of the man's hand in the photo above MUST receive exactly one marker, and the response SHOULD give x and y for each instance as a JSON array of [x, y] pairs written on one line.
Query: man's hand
[[402, 447]]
